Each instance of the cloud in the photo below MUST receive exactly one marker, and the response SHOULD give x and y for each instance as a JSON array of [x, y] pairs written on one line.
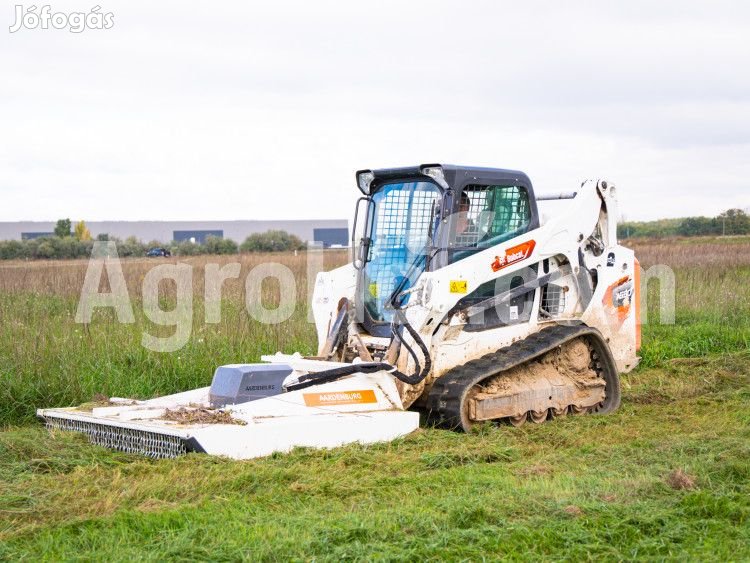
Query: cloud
[[214, 111]]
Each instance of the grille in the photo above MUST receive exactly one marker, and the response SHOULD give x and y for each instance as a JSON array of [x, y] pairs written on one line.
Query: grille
[[406, 211], [151, 444], [401, 233], [553, 301], [489, 211]]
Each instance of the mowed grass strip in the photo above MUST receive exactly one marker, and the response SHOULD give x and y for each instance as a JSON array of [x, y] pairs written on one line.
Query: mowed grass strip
[[666, 477]]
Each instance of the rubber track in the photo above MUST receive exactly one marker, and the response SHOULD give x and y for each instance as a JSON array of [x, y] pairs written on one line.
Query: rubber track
[[447, 398]]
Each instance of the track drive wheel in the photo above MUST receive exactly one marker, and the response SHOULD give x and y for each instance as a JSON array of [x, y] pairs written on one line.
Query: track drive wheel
[[517, 421], [452, 396], [537, 417]]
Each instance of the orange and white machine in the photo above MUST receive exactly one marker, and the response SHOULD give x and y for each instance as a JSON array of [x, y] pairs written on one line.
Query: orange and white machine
[[469, 298]]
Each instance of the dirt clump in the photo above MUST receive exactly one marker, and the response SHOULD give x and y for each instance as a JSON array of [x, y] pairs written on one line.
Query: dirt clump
[[575, 356], [573, 510], [569, 362], [98, 400], [679, 480], [298, 487], [200, 416], [535, 471], [572, 360]]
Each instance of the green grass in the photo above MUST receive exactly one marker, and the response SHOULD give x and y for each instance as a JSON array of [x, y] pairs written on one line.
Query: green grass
[[692, 337], [581, 488], [48, 359]]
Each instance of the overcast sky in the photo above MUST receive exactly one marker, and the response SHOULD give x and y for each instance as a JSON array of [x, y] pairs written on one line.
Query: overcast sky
[[188, 110]]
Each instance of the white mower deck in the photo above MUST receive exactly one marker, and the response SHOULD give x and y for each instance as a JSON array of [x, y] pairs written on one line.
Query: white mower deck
[[363, 408]]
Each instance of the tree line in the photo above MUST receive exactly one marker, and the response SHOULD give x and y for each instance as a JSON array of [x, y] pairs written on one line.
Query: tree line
[[730, 222], [75, 241]]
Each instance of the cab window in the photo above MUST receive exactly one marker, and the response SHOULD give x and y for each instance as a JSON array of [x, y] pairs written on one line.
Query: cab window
[[486, 216]]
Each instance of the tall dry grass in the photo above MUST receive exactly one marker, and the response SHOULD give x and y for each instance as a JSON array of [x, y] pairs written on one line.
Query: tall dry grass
[[65, 278], [692, 253], [712, 277], [712, 297], [47, 359]]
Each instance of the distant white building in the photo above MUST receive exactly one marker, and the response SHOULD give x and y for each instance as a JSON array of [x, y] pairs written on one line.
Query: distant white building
[[329, 232]]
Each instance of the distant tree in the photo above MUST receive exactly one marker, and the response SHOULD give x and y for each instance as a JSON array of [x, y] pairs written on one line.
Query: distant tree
[[81, 231], [730, 222], [272, 241], [102, 237], [46, 249], [698, 226], [654, 229], [186, 248], [131, 246], [734, 222], [11, 249], [219, 245], [63, 228]]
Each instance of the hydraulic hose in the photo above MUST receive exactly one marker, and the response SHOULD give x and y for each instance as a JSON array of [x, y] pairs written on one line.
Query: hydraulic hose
[[418, 375], [420, 372], [334, 374]]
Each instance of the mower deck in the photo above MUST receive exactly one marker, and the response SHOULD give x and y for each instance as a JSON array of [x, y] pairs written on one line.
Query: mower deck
[[361, 408]]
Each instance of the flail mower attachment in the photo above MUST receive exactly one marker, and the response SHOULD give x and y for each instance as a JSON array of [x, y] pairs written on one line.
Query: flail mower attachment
[[245, 414]]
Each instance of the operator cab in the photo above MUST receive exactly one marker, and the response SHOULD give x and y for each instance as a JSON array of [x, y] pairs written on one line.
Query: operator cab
[[425, 217]]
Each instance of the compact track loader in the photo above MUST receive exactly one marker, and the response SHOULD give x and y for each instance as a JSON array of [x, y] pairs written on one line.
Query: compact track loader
[[461, 302]]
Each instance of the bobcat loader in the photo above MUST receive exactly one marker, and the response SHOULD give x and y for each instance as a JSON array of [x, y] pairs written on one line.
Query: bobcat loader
[[461, 302]]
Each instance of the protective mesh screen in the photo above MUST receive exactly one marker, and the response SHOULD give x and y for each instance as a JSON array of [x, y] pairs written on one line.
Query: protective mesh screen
[[151, 444], [404, 220], [402, 229], [487, 212], [553, 301]]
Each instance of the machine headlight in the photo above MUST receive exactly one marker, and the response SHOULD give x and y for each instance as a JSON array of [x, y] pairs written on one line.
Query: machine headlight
[[435, 171], [364, 179]]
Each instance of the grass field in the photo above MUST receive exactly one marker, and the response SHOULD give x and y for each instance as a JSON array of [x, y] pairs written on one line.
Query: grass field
[[666, 477]]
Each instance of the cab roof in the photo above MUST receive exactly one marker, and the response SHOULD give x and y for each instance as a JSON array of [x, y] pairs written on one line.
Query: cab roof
[[456, 176]]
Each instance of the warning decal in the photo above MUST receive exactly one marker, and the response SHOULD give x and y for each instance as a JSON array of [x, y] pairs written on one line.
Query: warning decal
[[458, 286]]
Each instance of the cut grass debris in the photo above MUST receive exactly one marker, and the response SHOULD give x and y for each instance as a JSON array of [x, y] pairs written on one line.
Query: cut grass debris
[[200, 416], [655, 480]]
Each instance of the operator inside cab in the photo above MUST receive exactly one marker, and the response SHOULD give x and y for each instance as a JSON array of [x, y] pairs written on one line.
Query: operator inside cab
[[466, 231]]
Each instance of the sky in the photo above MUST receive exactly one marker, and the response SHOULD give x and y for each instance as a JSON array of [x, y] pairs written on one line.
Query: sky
[[211, 111]]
